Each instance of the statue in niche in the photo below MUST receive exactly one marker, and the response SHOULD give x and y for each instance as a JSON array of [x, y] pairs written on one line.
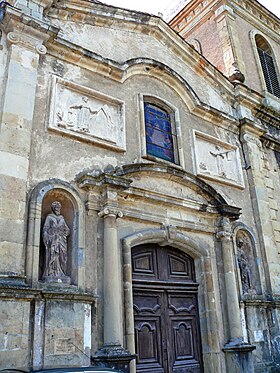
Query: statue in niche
[[245, 272], [55, 232]]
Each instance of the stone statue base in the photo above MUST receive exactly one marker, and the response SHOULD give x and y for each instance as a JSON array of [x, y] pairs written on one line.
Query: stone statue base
[[57, 279], [239, 357]]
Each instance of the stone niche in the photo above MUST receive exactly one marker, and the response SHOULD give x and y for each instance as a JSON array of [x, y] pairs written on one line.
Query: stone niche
[[246, 262], [86, 115], [67, 219], [217, 160]]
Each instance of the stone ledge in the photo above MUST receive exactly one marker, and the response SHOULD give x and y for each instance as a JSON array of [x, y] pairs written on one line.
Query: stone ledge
[[24, 293]]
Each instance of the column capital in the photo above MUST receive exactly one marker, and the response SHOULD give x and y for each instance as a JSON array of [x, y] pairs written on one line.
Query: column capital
[[110, 211], [251, 131], [224, 232], [25, 31]]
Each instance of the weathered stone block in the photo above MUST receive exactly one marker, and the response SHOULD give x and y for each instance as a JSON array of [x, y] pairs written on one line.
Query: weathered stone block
[[12, 255]]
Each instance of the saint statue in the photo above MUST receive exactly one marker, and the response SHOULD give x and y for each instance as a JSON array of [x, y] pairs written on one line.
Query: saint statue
[[245, 272], [55, 232]]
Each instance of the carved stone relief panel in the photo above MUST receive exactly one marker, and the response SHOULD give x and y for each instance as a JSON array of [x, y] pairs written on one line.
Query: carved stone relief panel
[[86, 114], [217, 160]]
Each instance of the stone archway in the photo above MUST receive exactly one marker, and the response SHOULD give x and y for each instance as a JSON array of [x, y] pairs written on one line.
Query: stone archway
[[207, 291]]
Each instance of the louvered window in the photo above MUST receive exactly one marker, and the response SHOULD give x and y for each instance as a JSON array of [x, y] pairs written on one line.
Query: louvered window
[[268, 66]]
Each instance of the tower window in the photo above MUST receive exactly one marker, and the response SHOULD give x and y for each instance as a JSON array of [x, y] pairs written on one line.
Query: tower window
[[161, 138], [268, 66]]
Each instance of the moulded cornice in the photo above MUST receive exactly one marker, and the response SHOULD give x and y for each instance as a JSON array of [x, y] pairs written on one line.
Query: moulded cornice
[[100, 15], [247, 96], [258, 16], [15, 20], [252, 11], [72, 53]]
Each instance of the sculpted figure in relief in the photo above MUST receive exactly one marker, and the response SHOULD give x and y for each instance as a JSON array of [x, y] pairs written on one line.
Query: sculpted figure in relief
[[55, 232], [222, 157], [79, 116]]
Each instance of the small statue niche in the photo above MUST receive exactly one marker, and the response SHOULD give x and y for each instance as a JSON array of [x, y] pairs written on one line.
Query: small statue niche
[[246, 262], [56, 239]]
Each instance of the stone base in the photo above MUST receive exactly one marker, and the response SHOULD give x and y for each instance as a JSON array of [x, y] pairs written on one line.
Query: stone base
[[114, 357], [57, 279], [239, 357]]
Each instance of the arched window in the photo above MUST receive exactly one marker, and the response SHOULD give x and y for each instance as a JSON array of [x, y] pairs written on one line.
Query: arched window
[[268, 65], [161, 137]]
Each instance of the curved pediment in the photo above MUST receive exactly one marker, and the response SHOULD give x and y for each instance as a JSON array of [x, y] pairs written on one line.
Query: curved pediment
[[159, 180]]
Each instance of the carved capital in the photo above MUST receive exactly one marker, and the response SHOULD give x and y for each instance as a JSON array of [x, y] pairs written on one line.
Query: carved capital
[[223, 236], [23, 40], [13, 38], [110, 211], [247, 138], [224, 232], [41, 49]]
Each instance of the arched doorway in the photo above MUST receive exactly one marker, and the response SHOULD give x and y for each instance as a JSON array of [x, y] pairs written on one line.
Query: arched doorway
[[167, 334]]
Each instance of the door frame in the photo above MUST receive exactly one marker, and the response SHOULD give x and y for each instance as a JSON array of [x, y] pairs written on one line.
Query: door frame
[[210, 314]]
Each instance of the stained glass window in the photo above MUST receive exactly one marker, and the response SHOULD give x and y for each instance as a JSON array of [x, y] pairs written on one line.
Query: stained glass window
[[160, 134]]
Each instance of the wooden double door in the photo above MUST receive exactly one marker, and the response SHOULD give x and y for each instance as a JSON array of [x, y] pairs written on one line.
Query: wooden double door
[[166, 319]]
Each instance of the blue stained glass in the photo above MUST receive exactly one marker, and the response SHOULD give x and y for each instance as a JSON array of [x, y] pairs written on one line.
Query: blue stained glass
[[160, 152], [156, 111], [159, 137], [163, 139]]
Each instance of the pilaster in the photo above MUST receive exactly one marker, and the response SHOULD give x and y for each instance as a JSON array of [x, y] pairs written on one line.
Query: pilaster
[[234, 63], [25, 41], [239, 357], [254, 157]]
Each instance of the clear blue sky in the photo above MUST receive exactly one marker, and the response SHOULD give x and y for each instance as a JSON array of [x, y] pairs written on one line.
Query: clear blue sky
[[156, 6]]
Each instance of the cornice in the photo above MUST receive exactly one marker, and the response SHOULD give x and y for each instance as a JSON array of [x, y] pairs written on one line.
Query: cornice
[[106, 16], [258, 16], [252, 11], [72, 53]]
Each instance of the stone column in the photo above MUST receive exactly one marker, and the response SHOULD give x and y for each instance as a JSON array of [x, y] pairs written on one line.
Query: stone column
[[112, 355], [239, 357], [232, 302], [112, 279]]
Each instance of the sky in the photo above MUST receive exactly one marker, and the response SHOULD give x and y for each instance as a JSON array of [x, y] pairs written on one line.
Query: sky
[[160, 6]]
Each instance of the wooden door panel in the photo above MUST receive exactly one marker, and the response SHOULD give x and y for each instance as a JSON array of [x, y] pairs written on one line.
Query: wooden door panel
[[188, 369], [179, 268], [144, 263], [148, 344], [165, 311], [181, 303], [148, 330], [183, 340]]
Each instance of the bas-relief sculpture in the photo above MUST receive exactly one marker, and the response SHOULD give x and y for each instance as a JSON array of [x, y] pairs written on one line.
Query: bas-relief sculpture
[[84, 113], [55, 232], [217, 160]]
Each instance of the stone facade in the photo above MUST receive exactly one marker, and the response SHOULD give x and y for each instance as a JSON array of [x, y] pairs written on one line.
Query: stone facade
[[77, 77]]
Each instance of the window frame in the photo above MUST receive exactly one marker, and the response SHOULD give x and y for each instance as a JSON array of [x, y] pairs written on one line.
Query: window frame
[[264, 89], [175, 126]]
